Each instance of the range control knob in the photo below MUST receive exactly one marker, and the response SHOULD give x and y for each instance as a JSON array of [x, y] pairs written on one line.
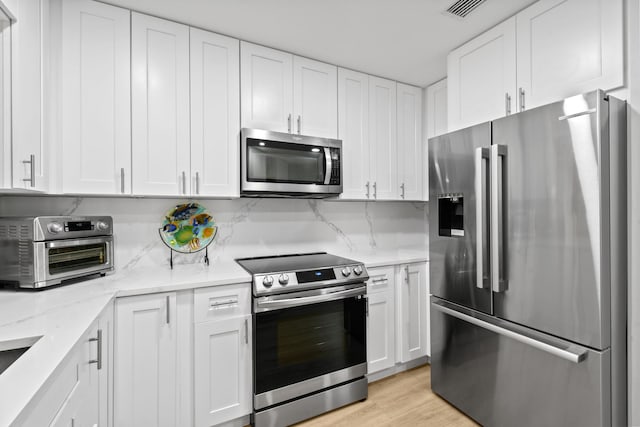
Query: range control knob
[[346, 271], [267, 281], [55, 227], [358, 270], [283, 279], [102, 226]]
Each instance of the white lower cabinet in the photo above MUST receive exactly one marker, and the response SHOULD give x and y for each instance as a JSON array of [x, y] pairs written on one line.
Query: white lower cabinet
[[145, 361], [398, 318], [78, 394], [222, 363], [222, 354], [381, 319], [412, 305]]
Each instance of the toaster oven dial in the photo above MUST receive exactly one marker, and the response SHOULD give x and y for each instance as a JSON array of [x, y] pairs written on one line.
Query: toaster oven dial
[[267, 281], [102, 226], [283, 279], [55, 227]]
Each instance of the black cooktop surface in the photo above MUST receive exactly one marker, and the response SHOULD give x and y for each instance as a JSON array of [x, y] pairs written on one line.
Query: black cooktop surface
[[293, 262]]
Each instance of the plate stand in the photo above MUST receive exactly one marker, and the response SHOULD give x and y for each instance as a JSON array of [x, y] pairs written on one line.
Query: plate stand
[[206, 256]]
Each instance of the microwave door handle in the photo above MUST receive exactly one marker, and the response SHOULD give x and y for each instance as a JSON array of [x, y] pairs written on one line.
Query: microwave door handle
[[328, 166]]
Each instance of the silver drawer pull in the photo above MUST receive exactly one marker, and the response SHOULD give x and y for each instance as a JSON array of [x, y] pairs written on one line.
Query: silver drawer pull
[[227, 303]]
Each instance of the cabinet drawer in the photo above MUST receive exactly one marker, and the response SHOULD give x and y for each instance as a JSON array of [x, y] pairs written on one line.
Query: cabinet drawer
[[380, 279], [221, 302]]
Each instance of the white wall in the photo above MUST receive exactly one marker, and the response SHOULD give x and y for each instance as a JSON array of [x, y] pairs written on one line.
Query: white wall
[[247, 227]]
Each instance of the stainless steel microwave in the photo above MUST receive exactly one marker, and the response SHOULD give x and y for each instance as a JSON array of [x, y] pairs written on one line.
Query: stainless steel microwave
[[275, 164]]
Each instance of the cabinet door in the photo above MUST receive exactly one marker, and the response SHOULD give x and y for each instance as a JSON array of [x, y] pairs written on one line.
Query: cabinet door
[[380, 332], [409, 142], [145, 361], [412, 311], [105, 372], [267, 88], [436, 109], [88, 409], [315, 98], [353, 130], [160, 106], [215, 114], [481, 77], [29, 55], [96, 115], [383, 139], [583, 39], [222, 365]]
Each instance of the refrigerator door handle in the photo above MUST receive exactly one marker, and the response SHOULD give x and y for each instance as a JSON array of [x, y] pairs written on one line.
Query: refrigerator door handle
[[572, 353], [499, 194], [480, 183]]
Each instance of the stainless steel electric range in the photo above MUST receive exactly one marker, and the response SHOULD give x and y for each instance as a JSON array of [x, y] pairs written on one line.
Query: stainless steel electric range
[[309, 345]]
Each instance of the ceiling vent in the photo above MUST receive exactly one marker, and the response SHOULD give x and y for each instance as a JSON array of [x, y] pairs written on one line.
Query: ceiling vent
[[462, 8]]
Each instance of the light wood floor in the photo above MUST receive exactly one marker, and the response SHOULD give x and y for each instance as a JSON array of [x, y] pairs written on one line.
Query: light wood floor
[[404, 399]]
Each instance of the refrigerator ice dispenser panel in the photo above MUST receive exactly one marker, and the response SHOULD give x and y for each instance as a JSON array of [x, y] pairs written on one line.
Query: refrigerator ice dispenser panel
[[451, 215]]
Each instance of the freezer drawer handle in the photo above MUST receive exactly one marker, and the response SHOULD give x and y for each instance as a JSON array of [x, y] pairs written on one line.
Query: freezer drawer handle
[[482, 279], [575, 353]]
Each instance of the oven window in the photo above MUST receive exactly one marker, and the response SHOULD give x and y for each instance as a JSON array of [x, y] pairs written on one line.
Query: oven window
[[269, 161], [299, 343], [63, 260]]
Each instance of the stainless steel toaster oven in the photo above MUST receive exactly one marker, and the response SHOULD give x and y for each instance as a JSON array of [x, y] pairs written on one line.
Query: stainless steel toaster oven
[[37, 252]]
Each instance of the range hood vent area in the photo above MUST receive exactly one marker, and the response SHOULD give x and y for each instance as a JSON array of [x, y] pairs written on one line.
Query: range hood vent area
[[462, 8]]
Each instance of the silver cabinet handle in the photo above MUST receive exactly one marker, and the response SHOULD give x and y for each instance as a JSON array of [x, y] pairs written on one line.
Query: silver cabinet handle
[[299, 125], [499, 194], [406, 274], [122, 180], [375, 190], [98, 359], [168, 320], [184, 182], [32, 166], [197, 182], [366, 305], [573, 352], [402, 188], [507, 103], [521, 95], [480, 185], [289, 123], [246, 331], [367, 185]]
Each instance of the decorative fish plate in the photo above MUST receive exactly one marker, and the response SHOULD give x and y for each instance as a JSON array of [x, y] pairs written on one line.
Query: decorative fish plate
[[188, 228]]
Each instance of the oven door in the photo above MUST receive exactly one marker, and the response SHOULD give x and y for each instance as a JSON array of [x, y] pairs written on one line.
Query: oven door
[[307, 341], [273, 162], [59, 260]]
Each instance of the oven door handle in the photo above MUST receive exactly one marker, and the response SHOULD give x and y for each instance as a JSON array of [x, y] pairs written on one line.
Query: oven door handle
[[328, 166], [80, 241], [295, 302]]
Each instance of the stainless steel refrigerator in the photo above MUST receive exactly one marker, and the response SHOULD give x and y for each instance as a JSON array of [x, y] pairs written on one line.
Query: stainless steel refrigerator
[[527, 226]]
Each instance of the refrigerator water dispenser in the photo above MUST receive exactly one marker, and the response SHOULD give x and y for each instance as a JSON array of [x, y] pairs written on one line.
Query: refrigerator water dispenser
[[451, 215]]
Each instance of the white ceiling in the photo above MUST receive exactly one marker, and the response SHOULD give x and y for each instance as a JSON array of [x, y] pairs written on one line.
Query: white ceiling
[[404, 40]]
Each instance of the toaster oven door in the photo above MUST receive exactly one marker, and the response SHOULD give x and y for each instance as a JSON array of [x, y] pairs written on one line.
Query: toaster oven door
[[60, 260]]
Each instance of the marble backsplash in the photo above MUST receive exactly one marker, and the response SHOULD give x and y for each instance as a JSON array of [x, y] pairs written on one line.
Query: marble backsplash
[[247, 227]]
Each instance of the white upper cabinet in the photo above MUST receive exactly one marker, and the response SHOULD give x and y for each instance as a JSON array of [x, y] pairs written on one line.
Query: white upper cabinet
[[383, 139], [215, 114], [30, 55], [436, 109], [96, 114], [551, 50], [5, 100], [582, 39], [160, 106], [409, 126], [315, 102], [353, 130], [267, 88], [482, 77], [286, 93]]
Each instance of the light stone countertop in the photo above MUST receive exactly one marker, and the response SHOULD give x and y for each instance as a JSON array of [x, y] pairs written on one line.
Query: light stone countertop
[[62, 315]]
